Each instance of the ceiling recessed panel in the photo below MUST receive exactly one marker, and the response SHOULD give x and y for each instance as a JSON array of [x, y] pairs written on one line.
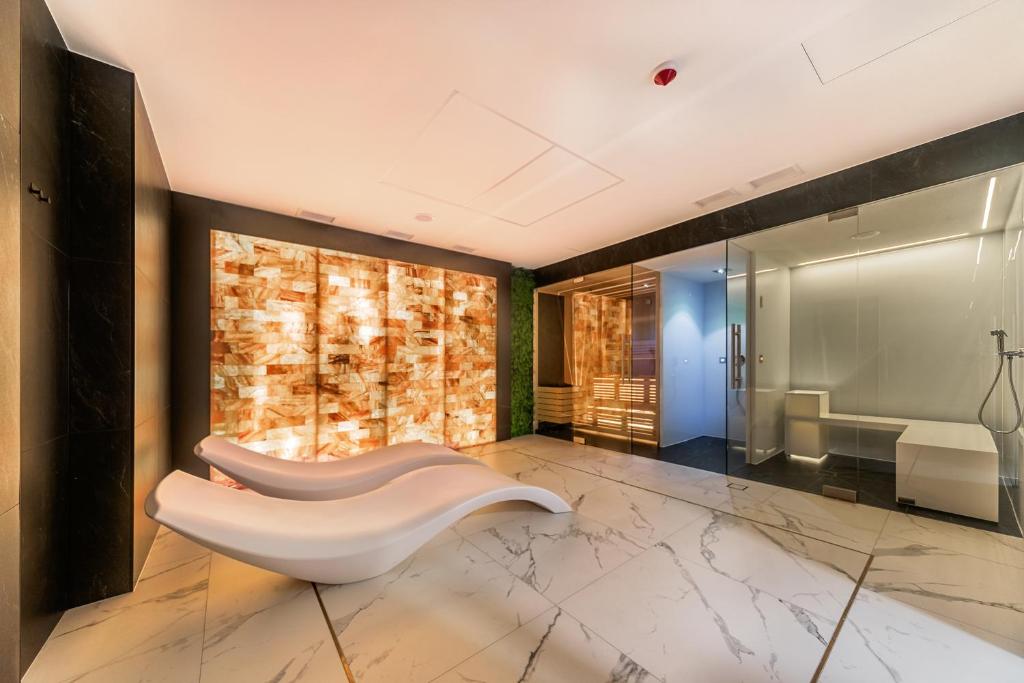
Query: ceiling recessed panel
[[555, 180], [878, 28], [465, 150]]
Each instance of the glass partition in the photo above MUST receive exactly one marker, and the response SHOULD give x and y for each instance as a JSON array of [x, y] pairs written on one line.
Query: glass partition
[[847, 355], [870, 345]]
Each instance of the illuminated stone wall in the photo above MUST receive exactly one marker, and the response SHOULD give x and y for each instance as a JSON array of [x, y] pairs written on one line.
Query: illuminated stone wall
[[470, 376], [318, 354], [416, 314], [264, 348]]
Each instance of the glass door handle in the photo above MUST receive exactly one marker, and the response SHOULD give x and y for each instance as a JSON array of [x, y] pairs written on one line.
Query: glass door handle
[[738, 360]]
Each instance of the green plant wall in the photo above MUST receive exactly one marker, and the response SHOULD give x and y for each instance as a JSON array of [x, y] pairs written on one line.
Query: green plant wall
[[522, 351]]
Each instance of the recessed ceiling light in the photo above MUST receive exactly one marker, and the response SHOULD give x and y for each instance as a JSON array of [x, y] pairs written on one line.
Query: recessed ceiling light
[[398, 235], [865, 235], [463, 248], [423, 217], [719, 271], [577, 280]]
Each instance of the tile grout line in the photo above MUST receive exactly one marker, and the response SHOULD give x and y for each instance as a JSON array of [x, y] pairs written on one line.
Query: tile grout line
[[206, 610], [334, 636], [842, 621]]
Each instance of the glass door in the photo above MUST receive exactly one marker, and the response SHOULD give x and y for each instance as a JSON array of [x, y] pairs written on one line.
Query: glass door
[[738, 404]]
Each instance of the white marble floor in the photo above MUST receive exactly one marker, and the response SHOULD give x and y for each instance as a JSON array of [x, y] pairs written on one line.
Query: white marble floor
[[661, 573]]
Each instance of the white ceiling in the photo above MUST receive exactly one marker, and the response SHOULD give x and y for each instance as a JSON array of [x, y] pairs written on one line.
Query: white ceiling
[[530, 130]]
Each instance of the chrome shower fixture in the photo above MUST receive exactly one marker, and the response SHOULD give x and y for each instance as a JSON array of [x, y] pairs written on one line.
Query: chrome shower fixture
[[1004, 357]]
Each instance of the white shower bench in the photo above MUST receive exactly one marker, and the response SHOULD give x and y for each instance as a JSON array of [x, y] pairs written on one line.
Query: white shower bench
[[947, 466]]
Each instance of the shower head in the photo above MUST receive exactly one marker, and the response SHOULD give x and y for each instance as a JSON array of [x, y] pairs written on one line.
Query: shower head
[[1000, 336]]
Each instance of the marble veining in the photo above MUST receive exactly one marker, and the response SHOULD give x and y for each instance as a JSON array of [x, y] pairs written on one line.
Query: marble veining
[[264, 626], [556, 554], [553, 648], [683, 622], [431, 612], [642, 515], [886, 640]]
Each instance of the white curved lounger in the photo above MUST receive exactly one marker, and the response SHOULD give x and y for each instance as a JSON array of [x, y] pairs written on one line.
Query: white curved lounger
[[323, 480], [336, 541]]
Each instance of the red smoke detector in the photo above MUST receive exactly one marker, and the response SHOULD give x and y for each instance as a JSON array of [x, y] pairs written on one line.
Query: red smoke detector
[[665, 73]]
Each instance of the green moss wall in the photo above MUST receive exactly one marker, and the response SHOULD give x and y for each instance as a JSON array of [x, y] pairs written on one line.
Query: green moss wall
[[522, 351]]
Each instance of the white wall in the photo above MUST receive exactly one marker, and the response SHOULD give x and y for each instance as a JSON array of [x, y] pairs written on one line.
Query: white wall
[[682, 351], [715, 373], [903, 333]]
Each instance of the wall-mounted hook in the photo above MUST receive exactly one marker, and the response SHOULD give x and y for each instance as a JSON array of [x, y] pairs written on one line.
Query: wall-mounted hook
[[34, 189]]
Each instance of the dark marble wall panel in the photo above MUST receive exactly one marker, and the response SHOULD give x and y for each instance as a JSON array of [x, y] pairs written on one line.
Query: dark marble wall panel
[[10, 342], [984, 148], [192, 219], [45, 564], [101, 172], [10, 259], [10, 570], [44, 331]]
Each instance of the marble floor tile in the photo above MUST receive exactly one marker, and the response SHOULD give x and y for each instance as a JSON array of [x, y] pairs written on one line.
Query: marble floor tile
[[566, 482], [616, 466], [556, 554], [433, 611], [932, 533], [643, 515], [552, 648], [152, 634], [681, 486], [830, 509], [261, 626], [684, 623], [817, 576], [963, 588], [823, 529], [883, 639]]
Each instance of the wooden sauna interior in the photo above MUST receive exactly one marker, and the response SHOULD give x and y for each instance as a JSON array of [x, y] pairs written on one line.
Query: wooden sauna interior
[[597, 358]]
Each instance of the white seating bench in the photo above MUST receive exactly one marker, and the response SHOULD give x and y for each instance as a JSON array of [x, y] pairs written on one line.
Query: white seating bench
[[948, 466]]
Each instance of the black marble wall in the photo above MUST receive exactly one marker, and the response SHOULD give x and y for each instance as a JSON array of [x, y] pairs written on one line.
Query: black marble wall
[[45, 330], [10, 342], [978, 150], [101, 309], [192, 218]]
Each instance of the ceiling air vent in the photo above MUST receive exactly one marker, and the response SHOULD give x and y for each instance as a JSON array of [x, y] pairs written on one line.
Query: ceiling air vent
[[314, 216], [776, 176], [395, 234], [717, 198], [843, 213], [463, 248]]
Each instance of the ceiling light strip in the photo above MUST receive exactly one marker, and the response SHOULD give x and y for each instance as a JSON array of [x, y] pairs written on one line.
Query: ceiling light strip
[[884, 249]]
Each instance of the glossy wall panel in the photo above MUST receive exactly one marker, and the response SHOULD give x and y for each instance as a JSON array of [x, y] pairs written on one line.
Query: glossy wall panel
[[151, 405], [317, 354]]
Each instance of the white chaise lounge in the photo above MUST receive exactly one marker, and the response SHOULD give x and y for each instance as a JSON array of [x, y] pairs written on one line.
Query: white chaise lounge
[[323, 480], [337, 541]]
